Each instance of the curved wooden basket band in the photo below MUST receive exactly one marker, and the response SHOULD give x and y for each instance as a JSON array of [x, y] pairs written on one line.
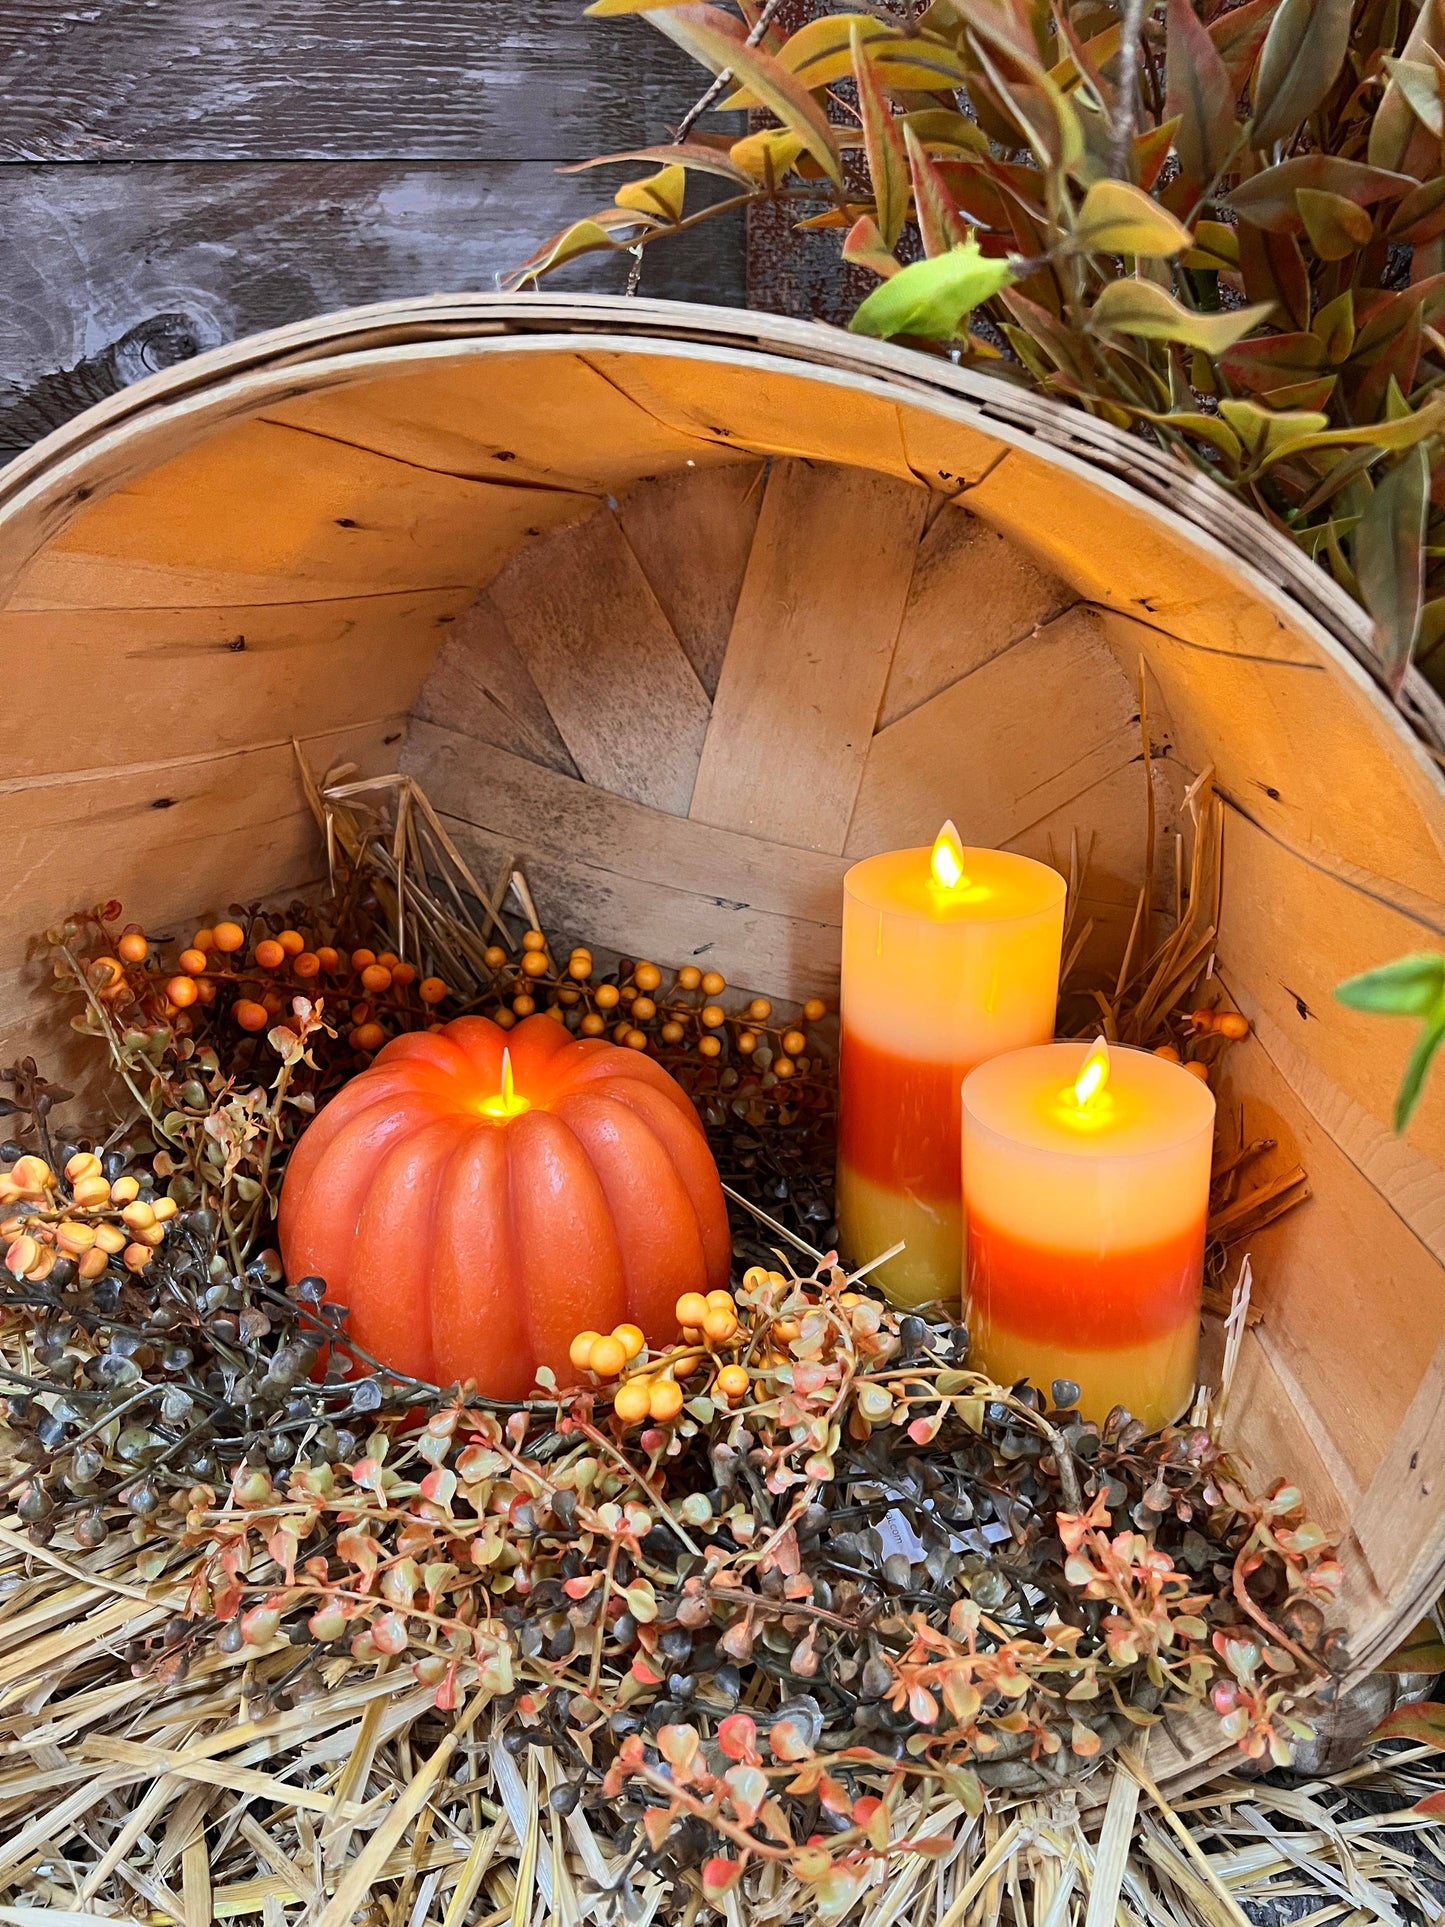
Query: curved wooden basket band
[[687, 608]]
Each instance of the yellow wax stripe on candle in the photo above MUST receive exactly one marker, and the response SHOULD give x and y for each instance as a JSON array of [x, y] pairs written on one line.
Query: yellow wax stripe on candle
[[872, 1220], [1154, 1382]]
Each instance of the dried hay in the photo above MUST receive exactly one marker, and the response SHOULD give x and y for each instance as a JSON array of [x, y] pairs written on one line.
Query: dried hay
[[261, 1786], [231, 1797]]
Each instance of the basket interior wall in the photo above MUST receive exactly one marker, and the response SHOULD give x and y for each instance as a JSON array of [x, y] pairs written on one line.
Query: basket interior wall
[[689, 636]]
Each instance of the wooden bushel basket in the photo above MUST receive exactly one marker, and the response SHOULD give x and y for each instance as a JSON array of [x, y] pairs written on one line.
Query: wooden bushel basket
[[686, 609]]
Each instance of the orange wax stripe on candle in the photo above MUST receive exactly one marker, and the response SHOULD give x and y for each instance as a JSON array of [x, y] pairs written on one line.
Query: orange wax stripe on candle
[[1082, 1300], [898, 1119]]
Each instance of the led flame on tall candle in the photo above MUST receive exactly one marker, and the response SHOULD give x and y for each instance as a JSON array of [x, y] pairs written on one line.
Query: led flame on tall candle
[[949, 957], [946, 861]]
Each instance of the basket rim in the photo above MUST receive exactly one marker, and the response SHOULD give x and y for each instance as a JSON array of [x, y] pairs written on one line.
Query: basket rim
[[351, 344]]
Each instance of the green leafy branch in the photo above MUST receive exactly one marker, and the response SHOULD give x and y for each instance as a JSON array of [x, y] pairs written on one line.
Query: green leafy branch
[[1410, 987], [1220, 225]]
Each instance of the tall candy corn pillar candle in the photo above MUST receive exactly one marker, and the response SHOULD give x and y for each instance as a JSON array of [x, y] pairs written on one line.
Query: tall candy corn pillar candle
[[949, 957], [1086, 1190]]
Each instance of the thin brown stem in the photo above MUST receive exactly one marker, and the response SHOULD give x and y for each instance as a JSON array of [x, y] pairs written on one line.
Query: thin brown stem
[[1126, 106]]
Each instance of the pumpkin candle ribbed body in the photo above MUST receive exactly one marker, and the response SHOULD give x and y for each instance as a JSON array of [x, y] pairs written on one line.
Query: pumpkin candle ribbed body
[[474, 1241]]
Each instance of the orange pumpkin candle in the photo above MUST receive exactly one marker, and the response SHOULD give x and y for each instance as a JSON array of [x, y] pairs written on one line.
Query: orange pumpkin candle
[[949, 957], [1086, 1186], [477, 1197]]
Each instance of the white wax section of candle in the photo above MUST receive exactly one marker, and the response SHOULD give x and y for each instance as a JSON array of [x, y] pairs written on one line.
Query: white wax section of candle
[[951, 975], [1130, 1169]]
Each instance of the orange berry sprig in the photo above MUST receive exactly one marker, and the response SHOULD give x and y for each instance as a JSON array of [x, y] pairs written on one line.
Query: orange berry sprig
[[253, 978], [649, 1388], [97, 1222], [638, 1013], [1228, 1026]]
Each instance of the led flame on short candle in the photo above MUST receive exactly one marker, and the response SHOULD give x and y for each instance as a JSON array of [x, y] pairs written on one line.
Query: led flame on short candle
[[946, 858], [949, 957], [1090, 1082], [1086, 1184]]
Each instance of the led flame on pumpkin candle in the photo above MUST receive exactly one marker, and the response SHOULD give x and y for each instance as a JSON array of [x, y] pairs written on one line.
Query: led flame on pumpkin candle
[[946, 861], [508, 1102]]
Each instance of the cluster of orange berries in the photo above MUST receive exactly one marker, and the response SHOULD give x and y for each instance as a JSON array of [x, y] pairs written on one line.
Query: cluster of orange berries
[[100, 1221], [652, 1391], [277, 968], [1230, 1026], [637, 1011]]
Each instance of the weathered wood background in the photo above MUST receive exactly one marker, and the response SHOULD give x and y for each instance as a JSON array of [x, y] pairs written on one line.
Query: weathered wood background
[[180, 172]]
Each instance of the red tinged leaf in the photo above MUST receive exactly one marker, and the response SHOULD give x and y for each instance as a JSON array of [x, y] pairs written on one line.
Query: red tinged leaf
[[970, 188], [717, 41], [833, 1794], [1060, 344], [938, 222], [1395, 361], [1087, 60], [1432, 1807], [1381, 314], [1274, 270], [921, 1704], [1310, 396], [747, 1789], [1420, 217], [1303, 52], [1199, 92], [1390, 566], [788, 1742], [1397, 138], [864, 247], [738, 1738], [1151, 150], [1270, 200], [678, 1746], [1423, 1722], [657, 1825], [719, 1875], [1336, 227], [1273, 361], [707, 160], [388, 1634], [1423, 1650], [1239, 35], [883, 145], [1027, 95]]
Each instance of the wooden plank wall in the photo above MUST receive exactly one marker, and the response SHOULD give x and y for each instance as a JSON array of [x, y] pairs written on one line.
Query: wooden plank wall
[[182, 172], [688, 773]]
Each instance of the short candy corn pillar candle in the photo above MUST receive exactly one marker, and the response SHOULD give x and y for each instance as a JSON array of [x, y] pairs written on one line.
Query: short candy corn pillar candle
[[1086, 1181], [949, 957]]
